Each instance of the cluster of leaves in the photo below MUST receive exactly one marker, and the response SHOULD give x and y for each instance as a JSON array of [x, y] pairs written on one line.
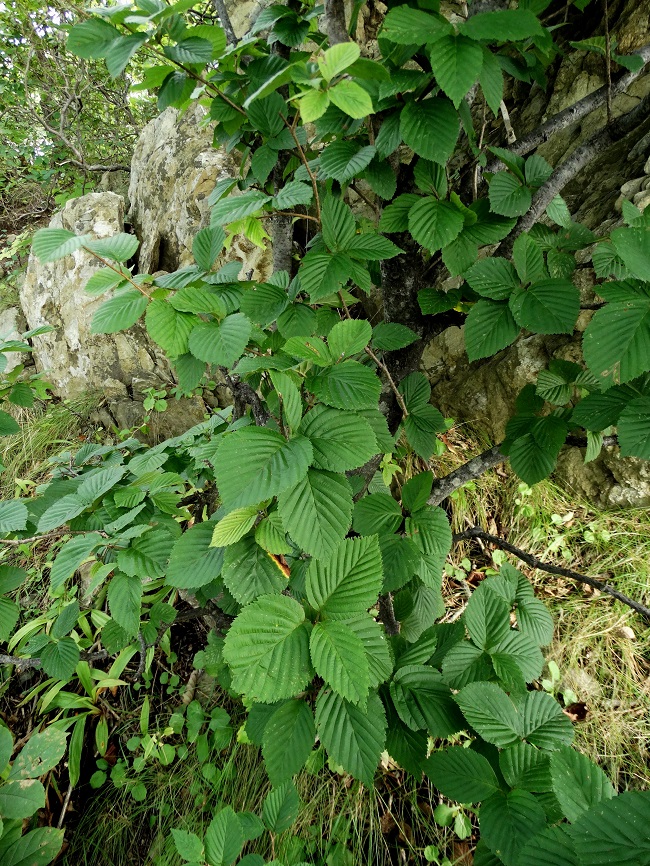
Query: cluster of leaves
[[22, 795], [331, 582]]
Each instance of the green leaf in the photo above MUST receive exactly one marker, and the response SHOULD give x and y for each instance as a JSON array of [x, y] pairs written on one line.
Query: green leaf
[[236, 207], [578, 783], [9, 615], [424, 701], [633, 247], [255, 464], [66, 620], [491, 713], [339, 225], [207, 245], [543, 723], [316, 512], [394, 217], [616, 344], [337, 58], [118, 248], [493, 278], [194, 562], [11, 577], [124, 595], [508, 196], [221, 343], [13, 515], [6, 747], [223, 838], [121, 51], [551, 847], [288, 740], [267, 649], [354, 738], [456, 62], [508, 821], [8, 424], [234, 525], [407, 26], [381, 178], [312, 349], [49, 245], [417, 490], [349, 337], [373, 638], [534, 455], [615, 831], [461, 774], [281, 808], [36, 848], [340, 440], [348, 385], [190, 50], [20, 799], [372, 247], [168, 328], [349, 581], [487, 617], [295, 192], [287, 392], [634, 429], [59, 659], [429, 528], [390, 336], [491, 80], [188, 845], [249, 572], [338, 656], [433, 223], [534, 620], [489, 327], [503, 25], [352, 99], [525, 767], [430, 128], [41, 754], [119, 313], [547, 307], [91, 39], [376, 513], [343, 160], [313, 105]]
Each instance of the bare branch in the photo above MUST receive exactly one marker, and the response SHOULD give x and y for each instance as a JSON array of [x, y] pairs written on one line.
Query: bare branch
[[335, 25], [575, 112], [571, 166], [534, 562], [387, 614], [243, 394], [224, 18], [24, 664], [445, 486]]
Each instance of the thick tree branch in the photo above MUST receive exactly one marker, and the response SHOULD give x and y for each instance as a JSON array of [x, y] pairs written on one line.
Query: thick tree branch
[[335, 25], [477, 466], [445, 486], [574, 112], [387, 614], [243, 394], [24, 664], [224, 18], [571, 166], [534, 562]]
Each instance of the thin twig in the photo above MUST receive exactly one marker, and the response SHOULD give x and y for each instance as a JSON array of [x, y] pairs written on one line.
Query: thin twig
[[117, 270], [510, 133], [305, 162], [24, 664], [64, 808], [534, 562], [470, 471], [566, 172], [391, 381]]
